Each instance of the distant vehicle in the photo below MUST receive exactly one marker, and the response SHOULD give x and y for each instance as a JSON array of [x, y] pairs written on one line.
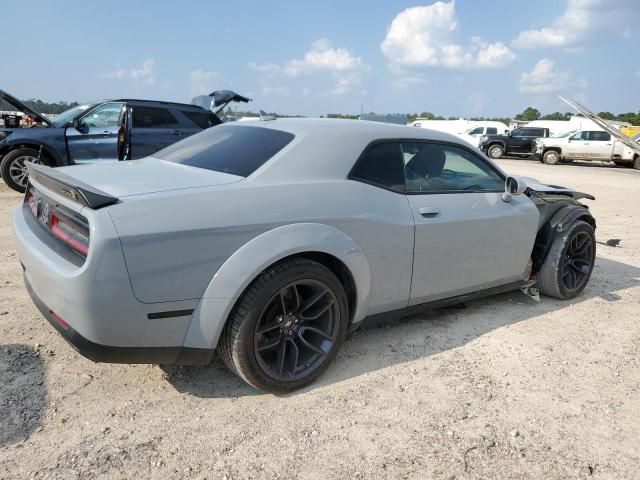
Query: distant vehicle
[[268, 242], [516, 142], [122, 129], [585, 145], [473, 135]]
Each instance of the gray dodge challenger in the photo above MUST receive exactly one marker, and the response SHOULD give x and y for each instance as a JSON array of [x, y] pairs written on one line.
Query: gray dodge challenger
[[269, 241]]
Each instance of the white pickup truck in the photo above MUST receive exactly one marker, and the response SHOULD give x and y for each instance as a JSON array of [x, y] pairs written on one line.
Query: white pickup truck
[[585, 145]]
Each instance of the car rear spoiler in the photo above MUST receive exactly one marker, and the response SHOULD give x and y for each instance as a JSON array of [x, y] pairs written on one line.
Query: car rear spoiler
[[601, 123], [69, 187], [218, 99]]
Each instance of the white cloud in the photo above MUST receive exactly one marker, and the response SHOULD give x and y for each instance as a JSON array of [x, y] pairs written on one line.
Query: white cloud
[[201, 82], [547, 78], [143, 74], [422, 36], [579, 18], [340, 63]]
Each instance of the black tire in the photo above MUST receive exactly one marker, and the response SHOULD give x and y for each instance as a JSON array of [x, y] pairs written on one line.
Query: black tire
[[620, 163], [12, 164], [565, 272], [495, 151], [636, 162], [551, 157], [239, 343]]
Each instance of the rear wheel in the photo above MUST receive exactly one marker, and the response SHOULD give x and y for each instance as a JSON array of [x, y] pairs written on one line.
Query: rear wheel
[[569, 264], [287, 327], [551, 157], [14, 167], [495, 151]]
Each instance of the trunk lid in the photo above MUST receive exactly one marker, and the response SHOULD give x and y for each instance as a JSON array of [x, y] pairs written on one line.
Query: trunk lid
[[136, 177]]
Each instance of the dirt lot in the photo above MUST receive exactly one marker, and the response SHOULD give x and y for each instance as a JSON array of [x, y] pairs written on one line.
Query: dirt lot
[[505, 388]]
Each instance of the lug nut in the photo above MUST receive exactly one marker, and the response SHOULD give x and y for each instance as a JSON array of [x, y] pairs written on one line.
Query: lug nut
[[290, 332]]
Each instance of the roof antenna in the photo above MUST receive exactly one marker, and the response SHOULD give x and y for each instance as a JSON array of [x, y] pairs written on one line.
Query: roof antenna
[[264, 116]]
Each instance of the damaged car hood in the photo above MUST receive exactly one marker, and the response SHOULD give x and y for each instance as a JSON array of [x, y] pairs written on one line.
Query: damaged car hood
[[19, 106], [538, 187]]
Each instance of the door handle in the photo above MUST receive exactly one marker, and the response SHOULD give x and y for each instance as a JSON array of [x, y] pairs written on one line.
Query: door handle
[[429, 212]]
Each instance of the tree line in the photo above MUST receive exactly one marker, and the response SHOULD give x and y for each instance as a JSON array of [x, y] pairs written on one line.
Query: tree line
[[528, 114]]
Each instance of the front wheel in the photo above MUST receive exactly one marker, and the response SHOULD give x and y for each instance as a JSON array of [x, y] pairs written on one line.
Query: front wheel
[[287, 327], [568, 266], [495, 151], [551, 157], [14, 167]]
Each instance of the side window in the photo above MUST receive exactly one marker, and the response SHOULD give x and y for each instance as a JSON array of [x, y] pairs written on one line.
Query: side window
[[599, 136], [476, 131], [518, 132], [580, 136], [432, 168], [381, 165], [492, 131], [104, 116], [150, 117]]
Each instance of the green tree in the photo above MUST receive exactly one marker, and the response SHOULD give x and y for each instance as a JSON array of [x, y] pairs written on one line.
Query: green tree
[[556, 116], [607, 115], [529, 114]]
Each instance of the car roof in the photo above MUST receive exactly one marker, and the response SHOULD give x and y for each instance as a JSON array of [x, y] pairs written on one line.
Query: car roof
[[363, 128], [326, 149], [156, 102]]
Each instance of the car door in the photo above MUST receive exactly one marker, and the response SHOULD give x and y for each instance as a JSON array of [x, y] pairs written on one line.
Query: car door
[[600, 145], [153, 128], [466, 237], [577, 145], [522, 138], [96, 136]]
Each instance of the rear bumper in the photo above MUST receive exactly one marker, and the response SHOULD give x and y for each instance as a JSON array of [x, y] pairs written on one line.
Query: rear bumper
[[109, 354]]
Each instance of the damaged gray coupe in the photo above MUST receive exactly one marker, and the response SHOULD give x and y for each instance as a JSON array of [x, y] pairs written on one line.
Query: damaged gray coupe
[[269, 241]]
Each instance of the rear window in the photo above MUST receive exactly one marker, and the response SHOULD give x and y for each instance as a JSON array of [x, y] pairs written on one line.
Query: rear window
[[238, 150], [202, 119]]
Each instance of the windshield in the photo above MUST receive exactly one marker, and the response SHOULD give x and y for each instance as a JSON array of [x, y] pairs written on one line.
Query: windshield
[[68, 115]]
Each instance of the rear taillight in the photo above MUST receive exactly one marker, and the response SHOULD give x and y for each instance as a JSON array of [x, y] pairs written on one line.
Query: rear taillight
[[59, 320], [33, 203], [70, 232]]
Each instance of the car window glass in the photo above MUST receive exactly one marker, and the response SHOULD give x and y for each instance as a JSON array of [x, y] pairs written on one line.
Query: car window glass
[[104, 116], [492, 131], [150, 117], [238, 150], [579, 136], [599, 136], [381, 165], [433, 167], [476, 131], [202, 119]]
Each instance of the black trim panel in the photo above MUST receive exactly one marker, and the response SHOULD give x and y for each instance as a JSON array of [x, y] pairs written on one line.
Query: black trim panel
[[445, 302], [171, 314], [110, 354]]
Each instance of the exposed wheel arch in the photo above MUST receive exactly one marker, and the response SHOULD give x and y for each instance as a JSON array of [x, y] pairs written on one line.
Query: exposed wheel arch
[[51, 155]]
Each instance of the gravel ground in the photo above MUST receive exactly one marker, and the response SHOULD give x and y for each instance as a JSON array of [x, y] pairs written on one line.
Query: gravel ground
[[504, 388]]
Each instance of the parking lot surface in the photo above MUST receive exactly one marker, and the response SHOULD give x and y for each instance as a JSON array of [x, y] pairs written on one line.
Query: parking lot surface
[[504, 388]]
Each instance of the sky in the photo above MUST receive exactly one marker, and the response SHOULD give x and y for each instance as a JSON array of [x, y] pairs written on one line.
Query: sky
[[457, 57]]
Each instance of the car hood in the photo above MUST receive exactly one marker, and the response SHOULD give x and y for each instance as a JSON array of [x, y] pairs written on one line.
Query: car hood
[[148, 175], [540, 187], [18, 105]]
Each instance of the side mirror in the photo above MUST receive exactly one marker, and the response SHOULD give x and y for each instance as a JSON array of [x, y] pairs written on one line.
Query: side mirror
[[77, 124], [513, 186]]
